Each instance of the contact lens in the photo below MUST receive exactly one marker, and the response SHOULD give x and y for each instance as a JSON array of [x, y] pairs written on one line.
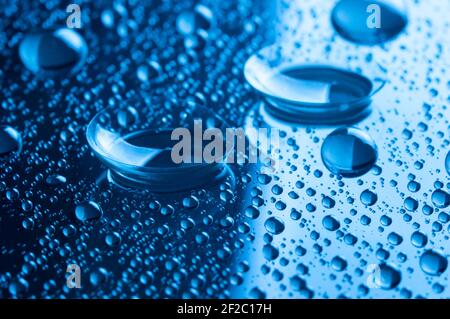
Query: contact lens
[[136, 144], [300, 87]]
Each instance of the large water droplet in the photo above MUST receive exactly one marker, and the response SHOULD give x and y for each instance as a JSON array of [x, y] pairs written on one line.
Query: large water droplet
[[338, 263], [98, 276], [113, 239], [55, 180], [433, 263], [368, 21], [10, 141], [349, 152], [53, 52], [440, 198], [88, 211]]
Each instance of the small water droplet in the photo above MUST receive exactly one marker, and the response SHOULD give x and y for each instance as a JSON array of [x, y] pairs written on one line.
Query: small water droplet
[[270, 252], [53, 52], [113, 239], [55, 180], [419, 239], [190, 202], [88, 211], [338, 263]]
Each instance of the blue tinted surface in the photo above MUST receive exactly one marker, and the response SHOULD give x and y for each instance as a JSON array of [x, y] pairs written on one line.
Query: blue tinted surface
[[297, 232]]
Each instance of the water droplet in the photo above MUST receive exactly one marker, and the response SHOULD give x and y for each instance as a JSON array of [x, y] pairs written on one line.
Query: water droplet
[[12, 194], [187, 223], [69, 231], [55, 180], [413, 186], [113, 239], [419, 239], [53, 52], [87, 211], [368, 198], [338, 263], [274, 225], [358, 20], [387, 277], [10, 141], [190, 202], [349, 152], [440, 198], [252, 212], [433, 263], [328, 202], [149, 72], [330, 223], [107, 18], [411, 204]]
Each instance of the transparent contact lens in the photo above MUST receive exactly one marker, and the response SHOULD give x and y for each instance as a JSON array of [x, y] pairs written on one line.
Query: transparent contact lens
[[136, 144], [303, 86], [53, 52], [369, 21]]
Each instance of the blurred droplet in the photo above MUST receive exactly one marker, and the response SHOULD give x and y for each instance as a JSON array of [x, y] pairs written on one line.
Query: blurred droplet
[[10, 141], [53, 52]]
